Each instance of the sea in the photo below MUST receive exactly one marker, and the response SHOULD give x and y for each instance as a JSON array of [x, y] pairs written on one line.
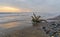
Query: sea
[[22, 19]]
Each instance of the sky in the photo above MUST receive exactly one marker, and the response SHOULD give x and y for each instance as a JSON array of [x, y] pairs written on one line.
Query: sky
[[29, 5]]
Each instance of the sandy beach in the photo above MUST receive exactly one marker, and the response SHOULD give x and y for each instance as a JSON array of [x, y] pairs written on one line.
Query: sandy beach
[[21, 26], [29, 31]]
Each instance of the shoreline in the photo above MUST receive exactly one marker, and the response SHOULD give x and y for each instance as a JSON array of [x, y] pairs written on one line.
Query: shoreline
[[29, 31]]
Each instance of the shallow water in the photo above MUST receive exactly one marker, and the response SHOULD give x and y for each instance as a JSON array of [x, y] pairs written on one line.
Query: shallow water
[[14, 20], [10, 20]]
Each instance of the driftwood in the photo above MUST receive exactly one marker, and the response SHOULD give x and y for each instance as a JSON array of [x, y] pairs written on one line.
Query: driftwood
[[37, 19]]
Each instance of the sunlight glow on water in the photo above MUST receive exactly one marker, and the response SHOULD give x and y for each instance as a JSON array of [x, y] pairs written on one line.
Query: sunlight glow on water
[[9, 25]]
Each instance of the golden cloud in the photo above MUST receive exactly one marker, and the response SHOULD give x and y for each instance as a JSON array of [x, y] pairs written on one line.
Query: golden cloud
[[12, 9]]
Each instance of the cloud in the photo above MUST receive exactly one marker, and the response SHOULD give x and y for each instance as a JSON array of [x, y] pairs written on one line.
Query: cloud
[[12, 9], [20, 0], [34, 5]]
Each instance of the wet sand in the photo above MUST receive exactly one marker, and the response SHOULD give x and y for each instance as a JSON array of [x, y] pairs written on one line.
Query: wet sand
[[30, 31], [27, 32]]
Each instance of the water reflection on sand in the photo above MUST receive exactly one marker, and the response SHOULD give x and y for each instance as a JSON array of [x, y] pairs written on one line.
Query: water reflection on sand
[[9, 25], [22, 22], [14, 20]]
